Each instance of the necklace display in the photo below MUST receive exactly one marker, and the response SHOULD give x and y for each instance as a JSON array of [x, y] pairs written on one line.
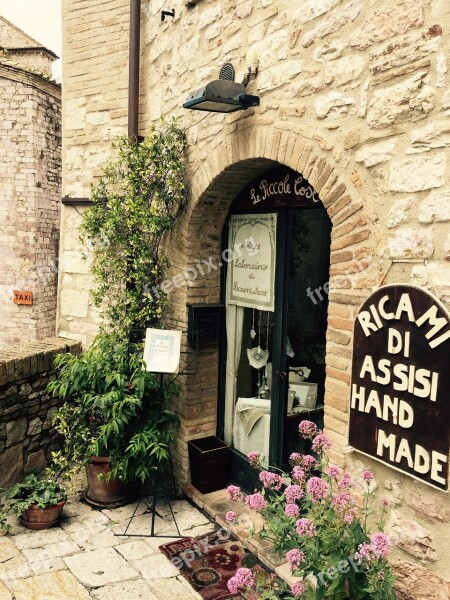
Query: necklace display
[[252, 330], [258, 357]]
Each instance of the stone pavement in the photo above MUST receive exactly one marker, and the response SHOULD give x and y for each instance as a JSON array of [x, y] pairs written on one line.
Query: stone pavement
[[86, 558]]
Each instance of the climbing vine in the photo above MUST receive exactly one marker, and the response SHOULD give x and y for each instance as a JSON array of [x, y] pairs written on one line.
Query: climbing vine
[[136, 203]]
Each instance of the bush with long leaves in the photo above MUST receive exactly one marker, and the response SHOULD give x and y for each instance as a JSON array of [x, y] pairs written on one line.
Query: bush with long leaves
[[113, 407]]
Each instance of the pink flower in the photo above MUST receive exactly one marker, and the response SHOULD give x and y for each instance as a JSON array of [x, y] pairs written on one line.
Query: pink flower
[[291, 510], [367, 475], [305, 528], [385, 502], [349, 518], [254, 458], [380, 544], [346, 482], [230, 517], [256, 501], [321, 443], [298, 589], [295, 558], [317, 488], [234, 493], [271, 480], [344, 505], [298, 475], [341, 500], [363, 553], [308, 461], [334, 472], [293, 493], [295, 458], [308, 429], [243, 579]]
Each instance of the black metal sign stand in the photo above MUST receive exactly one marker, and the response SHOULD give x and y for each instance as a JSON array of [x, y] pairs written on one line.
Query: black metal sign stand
[[159, 479]]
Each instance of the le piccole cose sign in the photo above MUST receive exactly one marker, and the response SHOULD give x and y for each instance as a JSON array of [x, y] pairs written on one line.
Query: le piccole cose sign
[[400, 390]]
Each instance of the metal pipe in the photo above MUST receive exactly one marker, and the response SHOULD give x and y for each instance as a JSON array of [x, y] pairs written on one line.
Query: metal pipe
[[133, 85]]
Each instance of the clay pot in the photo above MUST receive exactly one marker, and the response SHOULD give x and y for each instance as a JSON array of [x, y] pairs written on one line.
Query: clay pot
[[42, 518], [105, 493]]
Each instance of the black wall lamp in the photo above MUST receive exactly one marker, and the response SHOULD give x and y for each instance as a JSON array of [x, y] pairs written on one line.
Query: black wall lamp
[[224, 95]]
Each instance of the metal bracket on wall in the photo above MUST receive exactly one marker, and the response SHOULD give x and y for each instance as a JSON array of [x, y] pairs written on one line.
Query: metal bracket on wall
[[167, 13], [75, 201], [193, 362]]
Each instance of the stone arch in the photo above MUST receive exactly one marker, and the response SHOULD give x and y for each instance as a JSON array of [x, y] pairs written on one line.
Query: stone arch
[[213, 187]]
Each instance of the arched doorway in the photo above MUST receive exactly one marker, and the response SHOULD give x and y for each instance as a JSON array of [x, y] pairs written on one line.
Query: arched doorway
[[274, 291], [214, 187]]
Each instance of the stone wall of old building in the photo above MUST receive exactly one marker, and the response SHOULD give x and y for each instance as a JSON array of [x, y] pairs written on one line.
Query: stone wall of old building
[[26, 408], [38, 61], [355, 96], [30, 192]]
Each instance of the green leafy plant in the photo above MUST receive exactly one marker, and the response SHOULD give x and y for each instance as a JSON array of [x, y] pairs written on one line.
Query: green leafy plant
[[136, 204], [40, 491], [316, 517], [113, 408]]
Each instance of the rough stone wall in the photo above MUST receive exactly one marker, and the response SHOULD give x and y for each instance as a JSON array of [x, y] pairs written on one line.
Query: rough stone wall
[[95, 93], [355, 96], [26, 408], [30, 192]]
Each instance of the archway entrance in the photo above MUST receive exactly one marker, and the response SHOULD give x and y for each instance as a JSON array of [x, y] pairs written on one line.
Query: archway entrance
[[275, 296]]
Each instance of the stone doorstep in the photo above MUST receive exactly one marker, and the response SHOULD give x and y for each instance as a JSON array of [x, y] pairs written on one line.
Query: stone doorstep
[[216, 505]]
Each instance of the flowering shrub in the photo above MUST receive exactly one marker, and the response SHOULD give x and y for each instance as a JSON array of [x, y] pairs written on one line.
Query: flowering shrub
[[313, 519]]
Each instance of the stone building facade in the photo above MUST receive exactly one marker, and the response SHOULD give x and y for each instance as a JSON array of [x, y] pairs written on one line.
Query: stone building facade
[[30, 185], [355, 98]]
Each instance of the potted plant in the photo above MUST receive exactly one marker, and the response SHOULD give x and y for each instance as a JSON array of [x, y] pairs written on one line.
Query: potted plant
[[114, 421], [115, 418], [135, 207], [37, 500]]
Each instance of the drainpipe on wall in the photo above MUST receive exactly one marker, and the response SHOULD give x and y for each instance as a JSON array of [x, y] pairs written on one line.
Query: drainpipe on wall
[[133, 85]]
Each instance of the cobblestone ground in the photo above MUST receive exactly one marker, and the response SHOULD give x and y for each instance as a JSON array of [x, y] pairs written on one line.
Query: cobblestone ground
[[87, 557]]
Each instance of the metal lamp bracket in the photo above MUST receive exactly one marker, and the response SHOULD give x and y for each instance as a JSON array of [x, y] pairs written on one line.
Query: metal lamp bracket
[[167, 13]]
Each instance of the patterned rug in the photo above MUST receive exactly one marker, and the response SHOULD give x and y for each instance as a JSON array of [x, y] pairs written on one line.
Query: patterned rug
[[209, 561]]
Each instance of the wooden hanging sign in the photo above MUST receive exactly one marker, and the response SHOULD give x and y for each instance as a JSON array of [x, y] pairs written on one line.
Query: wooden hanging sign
[[23, 297], [399, 402]]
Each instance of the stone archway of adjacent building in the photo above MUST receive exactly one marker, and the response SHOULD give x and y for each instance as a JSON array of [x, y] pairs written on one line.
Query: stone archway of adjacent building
[[213, 188]]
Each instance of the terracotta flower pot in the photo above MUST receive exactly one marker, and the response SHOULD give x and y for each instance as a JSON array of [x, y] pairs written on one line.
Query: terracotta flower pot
[[42, 518], [105, 493]]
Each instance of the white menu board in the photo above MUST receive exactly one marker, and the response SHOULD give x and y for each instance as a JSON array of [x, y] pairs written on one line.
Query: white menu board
[[162, 350]]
